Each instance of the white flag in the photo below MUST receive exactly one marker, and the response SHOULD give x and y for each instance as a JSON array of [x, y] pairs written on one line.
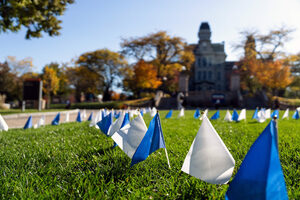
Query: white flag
[[228, 116], [204, 114], [242, 115], [3, 125], [261, 116], [153, 112], [96, 119], [83, 114], [268, 113], [208, 158], [286, 114], [181, 113], [67, 117], [41, 122], [130, 136], [116, 125]]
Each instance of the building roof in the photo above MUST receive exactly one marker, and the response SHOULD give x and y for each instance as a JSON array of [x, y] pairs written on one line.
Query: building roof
[[204, 25]]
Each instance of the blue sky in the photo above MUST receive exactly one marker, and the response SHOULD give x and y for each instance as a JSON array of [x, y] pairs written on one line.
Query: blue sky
[[94, 24]]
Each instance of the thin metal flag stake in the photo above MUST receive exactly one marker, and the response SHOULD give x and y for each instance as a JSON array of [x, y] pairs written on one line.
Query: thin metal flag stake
[[166, 152], [276, 132]]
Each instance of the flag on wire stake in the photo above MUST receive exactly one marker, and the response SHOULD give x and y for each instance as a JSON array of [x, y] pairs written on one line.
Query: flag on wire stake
[[78, 118], [197, 114], [152, 141], [268, 113], [3, 124], [105, 124], [235, 115], [181, 113], [228, 116], [90, 117], [296, 115], [28, 123], [204, 114], [56, 119], [275, 113], [255, 116], [216, 115], [169, 114], [260, 175], [122, 121], [286, 114], [67, 117], [208, 158], [242, 115], [41, 122]]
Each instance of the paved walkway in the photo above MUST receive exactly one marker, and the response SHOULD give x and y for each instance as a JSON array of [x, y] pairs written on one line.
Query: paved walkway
[[19, 120]]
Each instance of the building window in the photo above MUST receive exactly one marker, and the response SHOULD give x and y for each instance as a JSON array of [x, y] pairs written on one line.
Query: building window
[[199, 62], [204, 75], [209, 75], [204, 62], [199, 76], [218, 76]]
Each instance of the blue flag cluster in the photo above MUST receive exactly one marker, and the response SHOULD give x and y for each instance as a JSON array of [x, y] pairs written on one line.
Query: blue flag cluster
[[260, 175], [152, 141], [235, 115]]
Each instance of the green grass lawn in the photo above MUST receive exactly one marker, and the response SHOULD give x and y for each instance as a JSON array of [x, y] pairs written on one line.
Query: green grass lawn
[[75, 161]]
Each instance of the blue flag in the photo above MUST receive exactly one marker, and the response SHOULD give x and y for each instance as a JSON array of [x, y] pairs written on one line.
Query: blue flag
[[90, 117], [78, 118], [216, 115], [142, 113], [197, 114], [235, 115], [275, 112], [260, 175], [117, 115], [56, 119], [296, 115], [255, 116], [103, 113], [152, 141], [28, 124], [169, 115], [105, 123]]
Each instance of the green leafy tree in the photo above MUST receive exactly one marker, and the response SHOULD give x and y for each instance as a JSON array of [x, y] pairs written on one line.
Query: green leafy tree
[[36, 16], [50, 83], [107, 64]]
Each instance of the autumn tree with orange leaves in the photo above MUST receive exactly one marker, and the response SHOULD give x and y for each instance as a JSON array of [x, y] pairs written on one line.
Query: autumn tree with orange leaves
[[142, 77]]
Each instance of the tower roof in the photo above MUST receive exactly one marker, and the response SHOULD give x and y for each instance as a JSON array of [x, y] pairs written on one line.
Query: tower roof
[[204, 25]]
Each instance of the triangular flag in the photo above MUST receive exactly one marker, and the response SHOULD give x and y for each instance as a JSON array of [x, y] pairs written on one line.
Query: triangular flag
[[227, 116], [119, 123], [130, 136], [67, 117], [169, 114], [3, 125], [142, 113], [83, 114], [197, 114], [296, 115], [153, 112], [78, 118], [204, 114], [268, 113], [216, 115], [275, 113], [56, 119], [117, 115], [208, 158], [260, 175], [28, 123], [95, 120], [103, 112], [90, 117], [105, 123], [152, 141], [41, 122], [286, 114], [242, 115], [235, 115], [261, 116], [255, 116], [181, 113]]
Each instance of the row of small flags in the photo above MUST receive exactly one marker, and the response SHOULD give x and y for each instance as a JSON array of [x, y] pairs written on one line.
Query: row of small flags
[[260, 175]]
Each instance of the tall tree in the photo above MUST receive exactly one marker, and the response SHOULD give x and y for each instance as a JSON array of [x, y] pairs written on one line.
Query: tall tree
[[36, 16], [168, 54], [9, 83], [20, 67], [107, 64], [50, 83], [142, 77], [84, 81]]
